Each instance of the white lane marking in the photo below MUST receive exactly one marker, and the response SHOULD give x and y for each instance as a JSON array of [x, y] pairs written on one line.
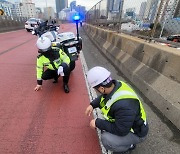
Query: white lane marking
[[92, 95]]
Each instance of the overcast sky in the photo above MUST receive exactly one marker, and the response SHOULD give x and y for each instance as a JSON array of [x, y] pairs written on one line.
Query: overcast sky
[[87, 3]]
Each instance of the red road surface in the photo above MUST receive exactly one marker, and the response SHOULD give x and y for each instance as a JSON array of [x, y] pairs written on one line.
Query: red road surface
[[45, 122]]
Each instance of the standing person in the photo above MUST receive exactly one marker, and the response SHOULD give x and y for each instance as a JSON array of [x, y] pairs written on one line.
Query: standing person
[[125, 123], [56, 62]]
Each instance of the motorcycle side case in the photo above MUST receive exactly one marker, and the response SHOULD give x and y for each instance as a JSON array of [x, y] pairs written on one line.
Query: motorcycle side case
[[71, 51], [70, 44]]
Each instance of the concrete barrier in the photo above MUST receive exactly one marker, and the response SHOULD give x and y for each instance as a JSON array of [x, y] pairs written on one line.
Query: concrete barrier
[[152, 68], [8, 23]]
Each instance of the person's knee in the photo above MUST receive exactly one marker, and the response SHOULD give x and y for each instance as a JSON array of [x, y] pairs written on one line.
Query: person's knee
[[66, 69], [44, 77], [106, 141]]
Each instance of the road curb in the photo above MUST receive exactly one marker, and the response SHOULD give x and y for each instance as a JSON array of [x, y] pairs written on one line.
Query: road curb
[[92, 96]]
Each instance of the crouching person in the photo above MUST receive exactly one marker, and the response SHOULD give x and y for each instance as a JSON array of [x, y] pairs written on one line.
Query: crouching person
[[55, 61], [124, 124]]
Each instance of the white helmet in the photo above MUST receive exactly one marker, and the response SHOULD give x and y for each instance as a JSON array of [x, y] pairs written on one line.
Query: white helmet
[[97, 75], [43, 43]]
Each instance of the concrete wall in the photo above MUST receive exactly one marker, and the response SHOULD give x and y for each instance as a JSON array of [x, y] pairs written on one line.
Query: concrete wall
[[152, 68], [8, 23]]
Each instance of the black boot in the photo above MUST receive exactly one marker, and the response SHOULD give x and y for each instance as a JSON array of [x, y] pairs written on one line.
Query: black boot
[[55, 81], [66, 88], [133, 146]]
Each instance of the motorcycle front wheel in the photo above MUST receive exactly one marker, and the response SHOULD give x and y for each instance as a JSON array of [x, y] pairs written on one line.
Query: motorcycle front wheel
[[72, 65]]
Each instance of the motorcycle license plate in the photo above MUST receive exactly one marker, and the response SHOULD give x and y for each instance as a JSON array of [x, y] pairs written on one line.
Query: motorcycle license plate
[[72, 50]]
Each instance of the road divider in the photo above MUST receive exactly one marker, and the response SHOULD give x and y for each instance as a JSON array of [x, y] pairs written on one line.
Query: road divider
[[152, 68]]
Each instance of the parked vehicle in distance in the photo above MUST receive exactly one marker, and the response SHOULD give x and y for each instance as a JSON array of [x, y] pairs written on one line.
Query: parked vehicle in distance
[[31, 23], [174, 38]]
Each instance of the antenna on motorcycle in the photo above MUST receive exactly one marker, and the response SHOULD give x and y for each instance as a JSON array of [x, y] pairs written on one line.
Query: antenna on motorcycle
[[77, 19]]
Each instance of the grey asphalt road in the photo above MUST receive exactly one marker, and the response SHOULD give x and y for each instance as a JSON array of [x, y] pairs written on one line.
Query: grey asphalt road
[[163, 137]]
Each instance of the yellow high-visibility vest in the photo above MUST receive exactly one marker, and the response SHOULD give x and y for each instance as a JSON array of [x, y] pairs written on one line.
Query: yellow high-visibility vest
[[43, 61], [124, 92]]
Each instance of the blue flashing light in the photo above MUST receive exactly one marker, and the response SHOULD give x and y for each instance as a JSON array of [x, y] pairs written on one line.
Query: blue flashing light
[[76, 17]]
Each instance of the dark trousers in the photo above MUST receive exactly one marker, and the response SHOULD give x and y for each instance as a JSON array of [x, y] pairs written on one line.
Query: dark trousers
[[52, 74]]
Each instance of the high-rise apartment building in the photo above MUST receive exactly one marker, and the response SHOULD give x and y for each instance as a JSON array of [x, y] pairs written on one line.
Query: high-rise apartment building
[[177, 10], [142, 10], [7, 7], [73, 5], [49, 13], [151, 10], [18, 9], [27, 8], [61, 4]]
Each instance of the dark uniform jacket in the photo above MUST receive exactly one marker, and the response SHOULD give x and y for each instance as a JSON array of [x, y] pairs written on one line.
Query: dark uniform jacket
[[126, 113]]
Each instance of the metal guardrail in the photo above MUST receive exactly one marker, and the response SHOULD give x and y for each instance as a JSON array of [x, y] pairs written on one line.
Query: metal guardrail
[[150, 20], [8, 23]]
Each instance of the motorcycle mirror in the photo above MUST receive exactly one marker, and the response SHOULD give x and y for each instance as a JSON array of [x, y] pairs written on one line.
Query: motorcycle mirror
[[33, 32]]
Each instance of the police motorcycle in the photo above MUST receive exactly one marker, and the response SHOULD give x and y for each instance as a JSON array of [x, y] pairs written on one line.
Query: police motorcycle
[[70, 44], [46, 30], [67, 41]]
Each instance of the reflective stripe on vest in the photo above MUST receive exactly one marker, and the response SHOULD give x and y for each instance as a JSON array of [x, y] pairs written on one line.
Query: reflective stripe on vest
[[124, 92]]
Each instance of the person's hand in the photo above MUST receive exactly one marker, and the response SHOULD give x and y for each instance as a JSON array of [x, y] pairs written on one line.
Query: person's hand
[[89, 110], [38, 87], [92, 124], [60, 71]]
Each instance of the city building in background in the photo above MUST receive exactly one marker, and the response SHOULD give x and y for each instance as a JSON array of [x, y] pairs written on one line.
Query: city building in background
[[177, 11], [114, 6], [49, 13], [73, 5], [151, 11], [130, 13], [171, 22], [64, 14], [60, 5], [69, 13], [39, 13], [28, 8], [8, 8], [18, 9], [148, 8], [81, 10], [142, 10]]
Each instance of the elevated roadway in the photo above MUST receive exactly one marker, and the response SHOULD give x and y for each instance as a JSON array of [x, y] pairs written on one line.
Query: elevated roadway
[[44, 122], [52, 122]]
